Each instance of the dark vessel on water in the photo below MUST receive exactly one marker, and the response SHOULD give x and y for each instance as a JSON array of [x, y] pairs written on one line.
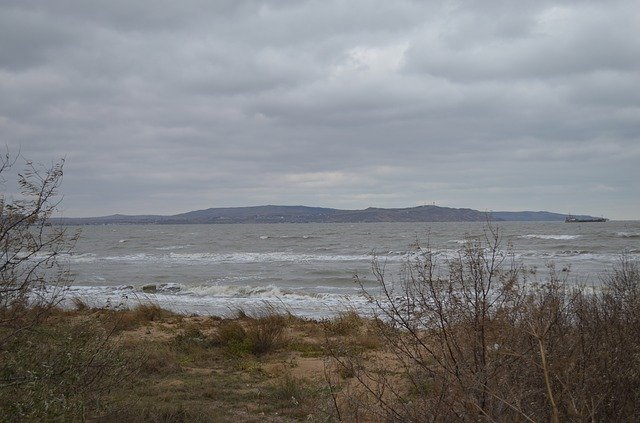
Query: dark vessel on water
[[573, 219]]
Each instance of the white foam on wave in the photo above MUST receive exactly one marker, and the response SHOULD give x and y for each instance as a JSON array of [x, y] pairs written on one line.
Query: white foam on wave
[[555, 237], [236, 291], [220, 300], [214, 291], [263, 237], [628, 234], [251, 257], [248, 257], [458, 241], [271, 293], [577, 255], [33, 255], [169, 287], [212, 258], [129, 257], [61, 257], [172, 247], [81, 258], [77, 258]]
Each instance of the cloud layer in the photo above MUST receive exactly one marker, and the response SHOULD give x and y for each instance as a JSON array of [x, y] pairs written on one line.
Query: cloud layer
[[164, 106]]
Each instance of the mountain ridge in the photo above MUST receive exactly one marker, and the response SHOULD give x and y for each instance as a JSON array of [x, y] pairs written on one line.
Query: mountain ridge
[[308, 214]]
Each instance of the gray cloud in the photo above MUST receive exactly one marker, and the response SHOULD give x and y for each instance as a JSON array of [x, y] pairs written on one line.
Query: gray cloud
[[163, 107]]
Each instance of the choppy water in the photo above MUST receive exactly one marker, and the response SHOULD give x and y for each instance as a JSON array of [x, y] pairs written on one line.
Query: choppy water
[[307, 268]]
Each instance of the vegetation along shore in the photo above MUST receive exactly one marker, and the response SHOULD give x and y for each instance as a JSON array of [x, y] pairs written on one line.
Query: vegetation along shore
[[474, 337]]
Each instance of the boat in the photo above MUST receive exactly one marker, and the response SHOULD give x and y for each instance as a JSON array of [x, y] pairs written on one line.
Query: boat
[[573, 219]]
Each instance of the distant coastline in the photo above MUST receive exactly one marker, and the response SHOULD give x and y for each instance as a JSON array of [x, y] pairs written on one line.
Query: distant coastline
[[305, 214]]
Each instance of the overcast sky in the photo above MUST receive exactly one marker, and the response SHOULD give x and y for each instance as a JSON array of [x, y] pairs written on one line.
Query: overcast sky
[[168, 106]]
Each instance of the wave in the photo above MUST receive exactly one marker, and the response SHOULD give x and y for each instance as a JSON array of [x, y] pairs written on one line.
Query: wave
[[175, 257], [392, 256], [221, 300], [236, 291], [263, 237], [542, 236], [62, 257], [246, 257], [167, 287], [172, 247], [127, 257], [214, 291], [628, 234], [82, 258], [580, 255], [238, 257], [458, 241]]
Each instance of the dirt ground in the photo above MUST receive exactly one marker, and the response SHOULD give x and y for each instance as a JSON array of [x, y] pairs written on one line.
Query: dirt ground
[[275, 368]]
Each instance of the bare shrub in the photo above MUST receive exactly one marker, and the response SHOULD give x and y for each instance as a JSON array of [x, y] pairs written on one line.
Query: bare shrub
[[473, 339], [31, 273], [50, 369]]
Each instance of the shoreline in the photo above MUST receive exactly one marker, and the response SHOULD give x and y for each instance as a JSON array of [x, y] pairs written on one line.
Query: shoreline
[[304, 306], [147, 363]]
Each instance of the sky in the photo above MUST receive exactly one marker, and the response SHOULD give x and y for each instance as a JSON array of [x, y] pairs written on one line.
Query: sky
[[164, 106]]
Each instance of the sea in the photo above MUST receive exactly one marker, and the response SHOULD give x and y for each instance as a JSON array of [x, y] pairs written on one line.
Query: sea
[[312, 270]]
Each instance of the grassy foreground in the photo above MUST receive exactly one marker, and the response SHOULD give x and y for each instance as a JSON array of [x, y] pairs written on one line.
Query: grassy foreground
[[149, 364]]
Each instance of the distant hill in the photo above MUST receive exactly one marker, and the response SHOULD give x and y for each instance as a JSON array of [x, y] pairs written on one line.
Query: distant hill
[[303, 214]]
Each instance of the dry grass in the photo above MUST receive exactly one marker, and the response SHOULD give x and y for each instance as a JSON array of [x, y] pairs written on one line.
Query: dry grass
[[260, 334], [142, 314], [59, 367], [241, 365], [346, 323]]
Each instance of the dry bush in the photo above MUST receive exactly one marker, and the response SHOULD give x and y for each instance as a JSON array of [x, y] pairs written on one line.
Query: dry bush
[[266, 332], [151, 312], [31, 274], [257, 333], [230, 331], [58, 371], [80, 305], [50, 369], [346, 323], [472, 339]]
